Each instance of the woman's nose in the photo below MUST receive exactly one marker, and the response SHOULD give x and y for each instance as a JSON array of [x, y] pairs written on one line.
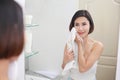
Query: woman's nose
[[80, 28]]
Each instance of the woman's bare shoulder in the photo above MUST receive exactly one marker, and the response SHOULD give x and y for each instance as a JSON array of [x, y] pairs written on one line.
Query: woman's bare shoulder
[[97, 43]]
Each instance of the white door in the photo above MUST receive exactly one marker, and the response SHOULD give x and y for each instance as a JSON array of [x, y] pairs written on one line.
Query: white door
[[106, 15]]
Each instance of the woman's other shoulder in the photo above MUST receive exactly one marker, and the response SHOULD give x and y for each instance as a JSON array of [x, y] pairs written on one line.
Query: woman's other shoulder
[[97, 44]]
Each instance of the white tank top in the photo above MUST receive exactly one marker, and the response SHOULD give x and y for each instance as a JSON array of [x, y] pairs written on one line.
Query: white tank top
[[76, 75]]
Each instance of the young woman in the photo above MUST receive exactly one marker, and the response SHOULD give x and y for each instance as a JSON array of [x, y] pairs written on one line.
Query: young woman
[[11, 35], [87, 49]]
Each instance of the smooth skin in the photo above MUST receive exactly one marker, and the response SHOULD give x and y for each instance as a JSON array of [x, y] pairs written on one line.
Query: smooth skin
[[89, 50]]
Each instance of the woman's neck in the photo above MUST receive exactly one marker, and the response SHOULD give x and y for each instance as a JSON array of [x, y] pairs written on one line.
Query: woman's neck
[[85, 39], [86, 42], [4, 64]]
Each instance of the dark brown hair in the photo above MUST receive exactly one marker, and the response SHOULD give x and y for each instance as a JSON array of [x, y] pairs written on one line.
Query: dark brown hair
[[11, 29], [82, 13]]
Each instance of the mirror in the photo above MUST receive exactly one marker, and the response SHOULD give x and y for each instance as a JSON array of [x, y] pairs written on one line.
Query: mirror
[[53, 18]]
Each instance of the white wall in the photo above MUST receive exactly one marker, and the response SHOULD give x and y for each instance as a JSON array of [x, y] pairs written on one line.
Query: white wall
[[53, 17]]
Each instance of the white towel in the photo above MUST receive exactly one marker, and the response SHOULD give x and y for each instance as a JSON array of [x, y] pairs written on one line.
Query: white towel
[[70, 47], [12, 73]]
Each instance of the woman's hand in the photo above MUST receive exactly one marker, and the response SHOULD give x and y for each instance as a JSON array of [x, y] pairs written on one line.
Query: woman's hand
[[79, 40], [68, 56]]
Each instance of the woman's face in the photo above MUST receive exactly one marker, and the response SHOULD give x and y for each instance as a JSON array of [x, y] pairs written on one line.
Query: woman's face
[[82, 26]]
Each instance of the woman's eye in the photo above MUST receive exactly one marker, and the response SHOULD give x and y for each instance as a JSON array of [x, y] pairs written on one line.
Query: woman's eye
[[83, 24], [77, 24]]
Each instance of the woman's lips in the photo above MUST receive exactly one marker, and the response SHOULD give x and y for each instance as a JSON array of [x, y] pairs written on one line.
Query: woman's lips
[[80, 33]]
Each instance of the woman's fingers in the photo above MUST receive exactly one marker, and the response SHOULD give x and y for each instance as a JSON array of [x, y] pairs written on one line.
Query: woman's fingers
[[78, 37], [70, 54]]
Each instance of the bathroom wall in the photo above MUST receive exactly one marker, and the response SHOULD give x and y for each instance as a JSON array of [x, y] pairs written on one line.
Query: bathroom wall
[[53, 18]]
